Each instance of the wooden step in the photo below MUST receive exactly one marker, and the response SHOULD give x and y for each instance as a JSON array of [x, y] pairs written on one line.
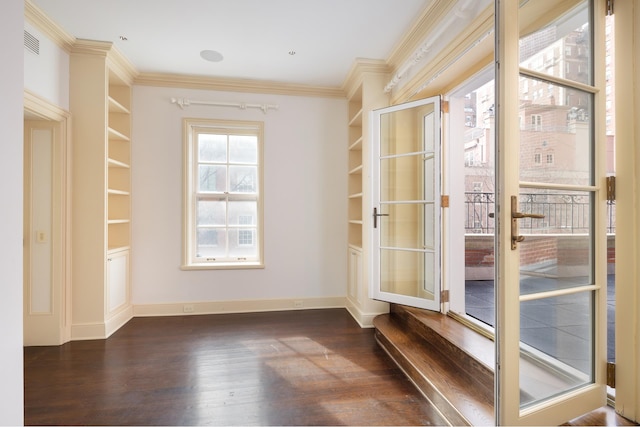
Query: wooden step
[[449, 363]]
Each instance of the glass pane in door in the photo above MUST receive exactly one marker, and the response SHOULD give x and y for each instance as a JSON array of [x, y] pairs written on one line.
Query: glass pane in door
[[562, 47], [557, 345], [555, 134], [407, 273]]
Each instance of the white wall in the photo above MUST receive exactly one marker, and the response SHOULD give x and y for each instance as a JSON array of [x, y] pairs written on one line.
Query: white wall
[[304, 189], [47, 74], [11, 83]]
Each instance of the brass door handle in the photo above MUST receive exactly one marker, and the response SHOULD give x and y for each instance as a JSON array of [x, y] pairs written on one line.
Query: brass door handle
[[515, 215], [519, 215]]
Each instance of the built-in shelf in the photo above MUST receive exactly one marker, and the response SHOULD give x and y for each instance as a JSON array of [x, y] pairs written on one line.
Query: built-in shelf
[[100, 100], [115, 249], [364, 94], [116, 107], [113, 163], [356, 145], [114, 134], [356, 164], [118, 221], [357, 119], [113, 191], [356, 171]]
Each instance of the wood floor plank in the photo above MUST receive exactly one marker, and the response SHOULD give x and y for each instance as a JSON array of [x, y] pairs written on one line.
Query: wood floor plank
[[313, 367]]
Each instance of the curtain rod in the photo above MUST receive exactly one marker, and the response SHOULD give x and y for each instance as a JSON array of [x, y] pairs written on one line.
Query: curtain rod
[[184, 103]]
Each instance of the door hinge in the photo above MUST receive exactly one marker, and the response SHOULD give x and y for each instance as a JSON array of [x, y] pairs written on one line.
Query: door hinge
[[611, 374], [444, 106], [444, 201], [610, 7], [444, 296], [611, 188]]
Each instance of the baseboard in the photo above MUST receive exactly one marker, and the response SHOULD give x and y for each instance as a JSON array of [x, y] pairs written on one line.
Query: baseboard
[[88, 331], [118, 320], [98, 330], [101, 330], [365, 320], [241, 306]]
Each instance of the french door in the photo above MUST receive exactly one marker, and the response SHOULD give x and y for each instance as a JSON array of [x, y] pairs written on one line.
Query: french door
[[406, 204], [550, 280]]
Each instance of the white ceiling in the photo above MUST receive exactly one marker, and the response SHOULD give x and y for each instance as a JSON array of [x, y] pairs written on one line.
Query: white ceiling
[[254, 36]]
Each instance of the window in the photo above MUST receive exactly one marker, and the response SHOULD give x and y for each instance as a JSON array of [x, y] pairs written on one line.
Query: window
[[537, 158], [549, 159], [469, 158], [222, 194], [536, 122]]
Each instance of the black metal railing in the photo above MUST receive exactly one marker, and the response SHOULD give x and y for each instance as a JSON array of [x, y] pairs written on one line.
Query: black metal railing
[[564, 213]]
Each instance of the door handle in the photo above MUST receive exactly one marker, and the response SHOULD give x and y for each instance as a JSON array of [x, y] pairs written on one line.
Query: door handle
[[375, 217], [515, 216]]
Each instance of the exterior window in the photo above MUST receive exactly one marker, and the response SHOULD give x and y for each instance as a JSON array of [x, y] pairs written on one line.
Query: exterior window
[[222, 194], [549, 159], [245, 237], [469, 158], [536, 122], [537, 158]]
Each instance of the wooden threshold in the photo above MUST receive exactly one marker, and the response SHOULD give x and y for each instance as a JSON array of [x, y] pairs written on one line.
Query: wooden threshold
[[440, 356], [453, 366]]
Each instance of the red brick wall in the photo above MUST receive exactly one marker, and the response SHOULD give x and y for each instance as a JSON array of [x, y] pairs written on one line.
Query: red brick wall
[[568, 250]]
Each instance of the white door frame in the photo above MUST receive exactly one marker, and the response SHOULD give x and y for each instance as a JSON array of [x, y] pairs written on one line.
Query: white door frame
[[627, 61], [53, 328]]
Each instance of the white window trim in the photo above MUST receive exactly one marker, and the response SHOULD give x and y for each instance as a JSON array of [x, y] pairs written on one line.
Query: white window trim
[[190, 127]]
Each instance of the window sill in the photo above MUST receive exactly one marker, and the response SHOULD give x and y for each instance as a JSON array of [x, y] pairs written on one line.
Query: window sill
[[223, 266]]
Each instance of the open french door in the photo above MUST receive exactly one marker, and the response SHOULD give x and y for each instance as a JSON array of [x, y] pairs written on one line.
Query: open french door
[[550, 282], [406, 204]]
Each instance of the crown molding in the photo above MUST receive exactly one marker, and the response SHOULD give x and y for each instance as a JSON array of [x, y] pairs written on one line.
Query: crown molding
[[434, 13], [470, 35], [235, 85], [36, 17], [359, 68], [91, 47], [121, 66], [117, 62], [471, 50]]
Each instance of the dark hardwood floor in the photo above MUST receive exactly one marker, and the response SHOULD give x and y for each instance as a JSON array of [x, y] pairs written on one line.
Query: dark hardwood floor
[[313, 367]]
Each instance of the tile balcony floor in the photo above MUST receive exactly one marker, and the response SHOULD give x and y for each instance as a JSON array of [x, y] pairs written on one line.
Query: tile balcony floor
[[555, 326]]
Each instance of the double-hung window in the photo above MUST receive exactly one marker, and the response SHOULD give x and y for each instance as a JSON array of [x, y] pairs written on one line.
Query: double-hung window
[[222, 194]]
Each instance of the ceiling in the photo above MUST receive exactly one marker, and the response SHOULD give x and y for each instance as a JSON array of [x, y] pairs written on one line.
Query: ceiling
[[306, 42]]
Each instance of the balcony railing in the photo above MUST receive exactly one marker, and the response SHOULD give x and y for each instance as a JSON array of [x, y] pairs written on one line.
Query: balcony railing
[[564, 213]]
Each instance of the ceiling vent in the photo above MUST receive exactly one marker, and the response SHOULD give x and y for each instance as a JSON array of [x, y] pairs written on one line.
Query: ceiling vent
[[31, 43]]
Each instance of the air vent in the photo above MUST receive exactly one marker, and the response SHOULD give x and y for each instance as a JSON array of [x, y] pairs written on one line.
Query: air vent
[[31, 43]]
